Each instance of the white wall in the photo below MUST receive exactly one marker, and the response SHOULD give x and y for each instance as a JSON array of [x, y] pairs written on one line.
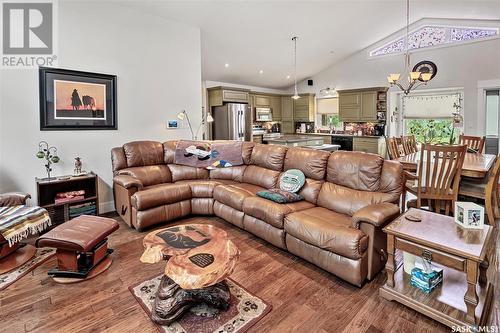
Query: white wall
[[458, 66], [158, 65]]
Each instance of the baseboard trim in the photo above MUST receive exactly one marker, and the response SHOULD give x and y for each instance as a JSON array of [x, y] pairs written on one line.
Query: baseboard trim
[[106, 207]]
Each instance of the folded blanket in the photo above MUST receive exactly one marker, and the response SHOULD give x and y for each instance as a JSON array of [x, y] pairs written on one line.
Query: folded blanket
[[18, 222], [210, 155]]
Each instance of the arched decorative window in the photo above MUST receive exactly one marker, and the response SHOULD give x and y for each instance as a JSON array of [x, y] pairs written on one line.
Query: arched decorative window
[[434, 35]]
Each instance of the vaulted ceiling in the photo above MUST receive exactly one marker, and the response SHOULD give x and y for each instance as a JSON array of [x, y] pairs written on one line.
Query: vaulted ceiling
[[254, 36]]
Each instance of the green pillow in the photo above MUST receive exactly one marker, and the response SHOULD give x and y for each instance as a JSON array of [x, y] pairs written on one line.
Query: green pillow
[[280, 196]]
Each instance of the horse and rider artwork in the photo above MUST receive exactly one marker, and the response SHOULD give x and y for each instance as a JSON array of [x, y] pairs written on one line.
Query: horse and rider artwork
[[76, 100], [79, 100]]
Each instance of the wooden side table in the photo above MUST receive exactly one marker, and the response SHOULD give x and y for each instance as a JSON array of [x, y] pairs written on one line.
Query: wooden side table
[[460, 300]]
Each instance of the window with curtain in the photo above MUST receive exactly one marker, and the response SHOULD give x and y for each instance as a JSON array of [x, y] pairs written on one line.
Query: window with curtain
[[328, 113], [430, 117]]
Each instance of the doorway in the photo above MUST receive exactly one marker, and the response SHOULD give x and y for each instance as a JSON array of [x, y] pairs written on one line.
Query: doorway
[[492, 121]]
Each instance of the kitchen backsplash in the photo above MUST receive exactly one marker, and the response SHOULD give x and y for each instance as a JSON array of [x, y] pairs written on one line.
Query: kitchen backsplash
[[365, 128]]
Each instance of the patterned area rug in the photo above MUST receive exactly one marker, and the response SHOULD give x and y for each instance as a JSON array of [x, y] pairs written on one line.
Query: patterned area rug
[[245, 310], [40, 257]]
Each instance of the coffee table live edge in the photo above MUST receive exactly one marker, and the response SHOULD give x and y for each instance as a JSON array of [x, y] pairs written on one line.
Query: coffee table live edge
[[439, 237], [200, 258]]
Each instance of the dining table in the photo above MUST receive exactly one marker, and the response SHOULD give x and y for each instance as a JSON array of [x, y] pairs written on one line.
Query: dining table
[[476, 165]]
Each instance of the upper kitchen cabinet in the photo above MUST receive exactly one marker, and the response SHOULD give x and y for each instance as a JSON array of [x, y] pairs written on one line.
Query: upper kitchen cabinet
[[261, 101], [303, 108], [286, 108], [275, 104], [361, 105], [218, 95]]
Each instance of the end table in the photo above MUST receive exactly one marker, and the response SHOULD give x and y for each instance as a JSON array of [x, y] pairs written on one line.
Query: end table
[[460, 300]]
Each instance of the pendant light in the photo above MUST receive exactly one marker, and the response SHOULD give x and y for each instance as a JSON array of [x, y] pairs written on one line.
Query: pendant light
[[296, 93], [413, 77]]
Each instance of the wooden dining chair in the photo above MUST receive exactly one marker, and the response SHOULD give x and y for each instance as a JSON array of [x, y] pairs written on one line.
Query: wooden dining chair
[[437, 180], [392, 148], [409, 144], [474, 144], [486, 190]]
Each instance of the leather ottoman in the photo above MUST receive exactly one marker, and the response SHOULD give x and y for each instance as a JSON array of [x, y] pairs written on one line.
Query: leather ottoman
[[82, 247]]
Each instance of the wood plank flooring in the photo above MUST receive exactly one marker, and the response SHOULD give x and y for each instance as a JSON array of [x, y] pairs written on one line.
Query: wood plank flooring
[[304, 297]]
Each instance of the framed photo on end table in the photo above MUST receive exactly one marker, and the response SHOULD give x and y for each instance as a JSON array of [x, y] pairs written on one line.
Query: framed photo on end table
[[75, 100]]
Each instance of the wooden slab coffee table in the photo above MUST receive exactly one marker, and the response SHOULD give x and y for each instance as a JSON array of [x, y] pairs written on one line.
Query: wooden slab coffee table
[[200, 257], [461, 300]]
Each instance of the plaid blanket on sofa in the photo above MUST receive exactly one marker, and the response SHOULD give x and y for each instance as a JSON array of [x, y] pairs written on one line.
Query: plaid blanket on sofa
[[18, 222], [210, 155]]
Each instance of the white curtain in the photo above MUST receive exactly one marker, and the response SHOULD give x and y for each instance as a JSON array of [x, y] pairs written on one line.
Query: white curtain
[[327, 105], [430, 106]]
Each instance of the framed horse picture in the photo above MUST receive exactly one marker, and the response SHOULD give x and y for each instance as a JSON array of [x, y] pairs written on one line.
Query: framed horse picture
[[75, 100]]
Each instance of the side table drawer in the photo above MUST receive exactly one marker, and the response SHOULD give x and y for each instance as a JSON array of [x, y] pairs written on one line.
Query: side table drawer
[[436, 256]]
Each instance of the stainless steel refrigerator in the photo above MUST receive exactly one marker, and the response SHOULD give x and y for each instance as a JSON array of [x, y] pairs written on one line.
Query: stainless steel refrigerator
[[232, 122]]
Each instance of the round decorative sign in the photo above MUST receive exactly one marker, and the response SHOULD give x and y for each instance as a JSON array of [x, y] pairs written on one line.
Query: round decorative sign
[[292, 180], [426, 66]]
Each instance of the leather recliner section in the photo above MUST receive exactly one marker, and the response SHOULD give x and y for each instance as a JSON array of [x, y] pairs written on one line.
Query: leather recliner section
[[338, 226]]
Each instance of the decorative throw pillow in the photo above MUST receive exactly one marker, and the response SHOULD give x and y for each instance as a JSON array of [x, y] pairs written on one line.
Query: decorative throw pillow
[[280, 196], [292, 180]]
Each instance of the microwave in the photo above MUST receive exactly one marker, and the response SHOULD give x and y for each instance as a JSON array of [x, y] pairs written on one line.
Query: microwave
[[263, 114]]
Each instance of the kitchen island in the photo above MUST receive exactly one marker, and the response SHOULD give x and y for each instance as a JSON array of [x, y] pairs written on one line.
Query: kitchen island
[[313, 142], [365, 143]]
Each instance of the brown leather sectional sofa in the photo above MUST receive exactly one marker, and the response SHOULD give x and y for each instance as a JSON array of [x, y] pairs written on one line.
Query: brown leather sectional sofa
[[349, 196]]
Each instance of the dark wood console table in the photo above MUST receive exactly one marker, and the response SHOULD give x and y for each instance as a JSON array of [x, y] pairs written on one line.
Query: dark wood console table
[[461, 300]]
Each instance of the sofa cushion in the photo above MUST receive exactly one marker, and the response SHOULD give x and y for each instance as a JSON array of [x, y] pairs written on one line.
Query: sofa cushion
[[234, 195], [261, 176], [201, 188], [184, 172], [327, 230], [118, 159], [356, 170], [391, 180], [272, 212], [149, 175], [169, 151], [311, 162], [347, 201], [310, 190], [160, 195], [142, 153], [268, 156], [232, 173]]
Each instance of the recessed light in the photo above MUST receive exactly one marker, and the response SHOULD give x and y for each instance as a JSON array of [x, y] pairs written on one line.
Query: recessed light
[[288, 76], [226, 65], [261, 71]]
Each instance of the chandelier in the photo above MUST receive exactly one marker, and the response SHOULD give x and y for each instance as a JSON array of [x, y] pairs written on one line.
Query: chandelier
[[296, 93], [415, 79]]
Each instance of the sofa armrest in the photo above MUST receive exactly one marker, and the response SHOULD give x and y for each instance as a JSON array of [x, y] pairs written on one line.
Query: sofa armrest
[[13, 199], [376, 214], [128, 181]]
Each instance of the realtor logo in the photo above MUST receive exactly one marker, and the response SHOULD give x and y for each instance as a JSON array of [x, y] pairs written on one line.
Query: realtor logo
[[27, 28], [27, 34]]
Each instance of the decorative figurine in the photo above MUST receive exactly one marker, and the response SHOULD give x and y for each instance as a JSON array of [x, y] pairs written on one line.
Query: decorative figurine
[[78, 166], [50, 155]]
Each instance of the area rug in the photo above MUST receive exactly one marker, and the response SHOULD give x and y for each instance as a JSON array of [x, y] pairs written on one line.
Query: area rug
[[244, 311], [40, 257]]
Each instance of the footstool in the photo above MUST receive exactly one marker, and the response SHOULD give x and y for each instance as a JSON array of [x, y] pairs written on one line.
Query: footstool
[[82, 247]]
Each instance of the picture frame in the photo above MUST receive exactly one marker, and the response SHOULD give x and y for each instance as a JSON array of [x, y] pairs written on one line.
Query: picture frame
[[469, 215], [172, 124], [76, 100]]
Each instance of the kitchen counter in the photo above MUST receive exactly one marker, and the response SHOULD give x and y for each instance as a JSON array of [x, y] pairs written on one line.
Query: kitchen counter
[[346, 135], [294, 138]]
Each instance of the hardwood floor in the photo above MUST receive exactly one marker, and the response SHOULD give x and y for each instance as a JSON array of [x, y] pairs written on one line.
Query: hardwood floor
[[304, 297]]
